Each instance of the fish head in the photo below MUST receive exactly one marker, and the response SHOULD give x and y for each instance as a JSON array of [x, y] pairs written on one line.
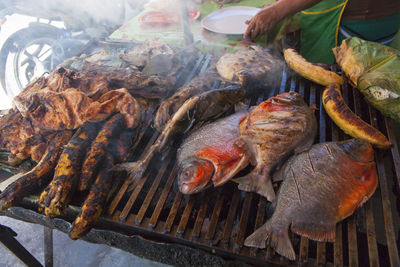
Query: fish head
[[194, 175]]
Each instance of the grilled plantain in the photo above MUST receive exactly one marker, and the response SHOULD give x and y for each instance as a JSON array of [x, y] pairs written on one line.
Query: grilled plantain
[[310, 71], [58, 193], [94, 203], [39, 176], [98, 150], [349, 122]]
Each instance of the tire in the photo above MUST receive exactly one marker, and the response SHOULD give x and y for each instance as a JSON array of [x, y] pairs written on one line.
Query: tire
[[28, 54]]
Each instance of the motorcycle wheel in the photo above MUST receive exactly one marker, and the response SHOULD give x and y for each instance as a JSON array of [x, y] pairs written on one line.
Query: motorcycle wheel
[[27, 55]]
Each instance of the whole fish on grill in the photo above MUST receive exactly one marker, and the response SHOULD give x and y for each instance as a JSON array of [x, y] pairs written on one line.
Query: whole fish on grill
[[202, 107], [255, 67], [197, 85], [320, 188], [209, 155], [279, 126]]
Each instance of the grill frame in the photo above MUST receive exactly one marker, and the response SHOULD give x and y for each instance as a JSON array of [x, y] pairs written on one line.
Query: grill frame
[[218, 220]]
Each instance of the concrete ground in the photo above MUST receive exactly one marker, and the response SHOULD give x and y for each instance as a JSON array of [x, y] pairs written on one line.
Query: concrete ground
[[66, 252]]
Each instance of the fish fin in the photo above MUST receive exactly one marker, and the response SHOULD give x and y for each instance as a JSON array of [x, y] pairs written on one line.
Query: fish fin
[[322, 233], [254, 183], [241, 163], [275, 236], [304, 147]]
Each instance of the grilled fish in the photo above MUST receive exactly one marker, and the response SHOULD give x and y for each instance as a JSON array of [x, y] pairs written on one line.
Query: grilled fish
[[209, 154], [196, 86], [279, 126], [256, 67], [206, 106], [320, 188]]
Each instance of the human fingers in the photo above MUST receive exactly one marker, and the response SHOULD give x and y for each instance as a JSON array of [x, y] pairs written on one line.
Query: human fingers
[[249, 29], [255, 32]]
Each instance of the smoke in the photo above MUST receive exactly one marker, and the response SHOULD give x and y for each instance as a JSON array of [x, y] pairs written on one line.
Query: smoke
[[81, 14]]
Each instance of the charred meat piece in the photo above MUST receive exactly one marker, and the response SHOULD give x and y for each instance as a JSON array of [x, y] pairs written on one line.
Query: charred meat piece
[[320, 188], [256, 67], [50, 110], [60, 190], [152, 58], [69, 109], [114, 101], [135, 82], [15, 132], [196, 86], [279, 126], [99, 149], [206, 106], [39, 176], [209, 154]]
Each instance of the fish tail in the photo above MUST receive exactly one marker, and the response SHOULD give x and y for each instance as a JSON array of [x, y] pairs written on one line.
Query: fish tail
[[261, 186], [275, 236]]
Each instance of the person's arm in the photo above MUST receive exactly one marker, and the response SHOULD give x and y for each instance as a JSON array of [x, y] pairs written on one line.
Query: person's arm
[[268, 17]]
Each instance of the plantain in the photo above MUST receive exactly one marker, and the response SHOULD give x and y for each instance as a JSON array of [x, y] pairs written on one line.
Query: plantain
[[348, 121], [92, 207], [99, 149], [39, 176], [94, 203], [60, 190], [309, 70]]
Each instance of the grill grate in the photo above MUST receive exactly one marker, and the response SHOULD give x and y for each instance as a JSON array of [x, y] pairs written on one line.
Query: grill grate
[[219, 219]]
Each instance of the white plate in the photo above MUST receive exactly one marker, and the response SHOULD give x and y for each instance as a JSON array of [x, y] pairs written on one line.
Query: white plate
[[229, 20]]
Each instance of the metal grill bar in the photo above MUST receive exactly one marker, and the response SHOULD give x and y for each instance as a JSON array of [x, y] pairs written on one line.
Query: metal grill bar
[[163, 198], [222, 218], [214, 218]]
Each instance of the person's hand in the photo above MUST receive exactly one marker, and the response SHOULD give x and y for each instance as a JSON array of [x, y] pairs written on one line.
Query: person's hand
[[262, 22]]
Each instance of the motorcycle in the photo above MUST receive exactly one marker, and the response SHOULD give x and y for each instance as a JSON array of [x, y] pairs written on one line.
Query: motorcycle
[[34, 50]]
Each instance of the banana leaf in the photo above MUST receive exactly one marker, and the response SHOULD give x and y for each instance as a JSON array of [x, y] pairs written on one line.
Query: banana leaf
[[375, 70]]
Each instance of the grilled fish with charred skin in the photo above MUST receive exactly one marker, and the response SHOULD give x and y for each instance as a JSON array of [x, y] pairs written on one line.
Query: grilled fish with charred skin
[[198, 85], [208, 105], [279, 126], [255, 67], [320, 188], [209, 154], [39, 176]]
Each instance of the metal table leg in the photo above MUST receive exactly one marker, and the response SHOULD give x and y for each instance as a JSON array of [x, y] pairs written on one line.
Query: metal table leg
[[8, 241], [48, 247]]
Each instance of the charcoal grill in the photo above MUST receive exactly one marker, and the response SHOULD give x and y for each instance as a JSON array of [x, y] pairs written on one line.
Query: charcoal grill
[[218, 220]]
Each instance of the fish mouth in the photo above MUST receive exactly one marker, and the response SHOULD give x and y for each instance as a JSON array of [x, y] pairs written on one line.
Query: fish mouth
[[195, 175], [192, 188]]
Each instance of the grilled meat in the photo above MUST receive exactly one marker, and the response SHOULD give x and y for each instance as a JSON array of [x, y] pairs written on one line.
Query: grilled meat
[[152, 58], [279, 126], [255, 68], [39, 176], [60, 190], [209, 154], [115, 101], [320, 188], [196, 86]]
